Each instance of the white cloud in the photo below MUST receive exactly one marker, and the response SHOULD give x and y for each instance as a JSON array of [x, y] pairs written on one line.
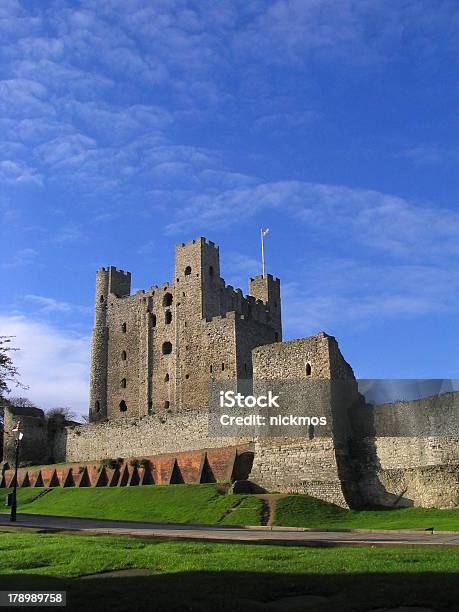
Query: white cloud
[[53, 363], [376, 220], [16, 172], [23, 257], [294, 31], [50, 305], [429, 155]]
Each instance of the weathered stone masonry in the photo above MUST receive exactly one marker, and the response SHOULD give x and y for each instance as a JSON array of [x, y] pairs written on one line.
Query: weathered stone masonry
[[152, 356]]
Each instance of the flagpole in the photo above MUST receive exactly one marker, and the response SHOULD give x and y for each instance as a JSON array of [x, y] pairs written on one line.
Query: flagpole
[[262, 252]]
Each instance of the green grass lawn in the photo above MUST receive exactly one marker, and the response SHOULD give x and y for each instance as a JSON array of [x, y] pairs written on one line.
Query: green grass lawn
[[211, 576], [169, 503], [302, 510], [207, 503]]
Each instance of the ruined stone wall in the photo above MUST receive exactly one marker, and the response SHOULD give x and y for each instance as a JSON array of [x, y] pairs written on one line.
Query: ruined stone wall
[[34, 445], [436, 416], [138, 437], [407, 453], [289, 360], [318, 466]]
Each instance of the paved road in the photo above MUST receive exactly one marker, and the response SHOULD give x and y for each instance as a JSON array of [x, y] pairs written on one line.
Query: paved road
[[217, 533]]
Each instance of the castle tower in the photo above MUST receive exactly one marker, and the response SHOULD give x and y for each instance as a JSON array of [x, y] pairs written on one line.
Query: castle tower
[[108, 281], [197, 275], [267, 289], [197, 289]]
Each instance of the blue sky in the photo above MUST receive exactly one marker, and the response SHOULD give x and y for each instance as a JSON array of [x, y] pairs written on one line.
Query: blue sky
[[127, 126]]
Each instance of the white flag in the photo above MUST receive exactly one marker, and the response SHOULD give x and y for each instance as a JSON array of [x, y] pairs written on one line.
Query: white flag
[[265, 231]]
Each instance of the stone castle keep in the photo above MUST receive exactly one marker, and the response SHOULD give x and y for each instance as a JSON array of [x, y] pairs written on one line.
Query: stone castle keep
[[155, 351], [153, 355]]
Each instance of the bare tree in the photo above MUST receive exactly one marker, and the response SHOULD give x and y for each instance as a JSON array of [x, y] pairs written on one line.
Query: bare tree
[[8, 372], [60, 412], [21, 402], [8, 375]]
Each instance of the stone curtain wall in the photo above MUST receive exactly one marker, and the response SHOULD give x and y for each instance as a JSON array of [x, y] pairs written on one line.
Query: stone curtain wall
[[34, 446], [408, 452], [150, 435], [434, 416]]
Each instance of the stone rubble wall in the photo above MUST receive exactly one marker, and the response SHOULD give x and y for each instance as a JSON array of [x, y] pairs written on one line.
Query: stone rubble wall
[[150, 435]]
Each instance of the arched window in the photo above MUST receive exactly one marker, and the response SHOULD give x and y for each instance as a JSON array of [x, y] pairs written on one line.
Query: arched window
[[187, 270], [123, 355], [123, 406], [168, 317], [211, 270], [167, 348], [167, 299], [124, 328], [123, 383], [308, 369], [97, 406], [166, 378]]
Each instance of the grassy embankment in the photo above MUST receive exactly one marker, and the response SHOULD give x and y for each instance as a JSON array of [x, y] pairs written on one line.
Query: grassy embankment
[[169, 504], [302, 510], [208, 503]]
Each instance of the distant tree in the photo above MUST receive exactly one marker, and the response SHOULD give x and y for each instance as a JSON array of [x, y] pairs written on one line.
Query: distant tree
[[60, 412], [21, 402]]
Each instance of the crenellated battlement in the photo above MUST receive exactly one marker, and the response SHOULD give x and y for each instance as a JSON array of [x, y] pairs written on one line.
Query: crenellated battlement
[[197, 241]]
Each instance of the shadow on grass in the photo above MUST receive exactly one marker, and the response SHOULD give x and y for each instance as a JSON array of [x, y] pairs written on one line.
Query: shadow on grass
[[245, 591]]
